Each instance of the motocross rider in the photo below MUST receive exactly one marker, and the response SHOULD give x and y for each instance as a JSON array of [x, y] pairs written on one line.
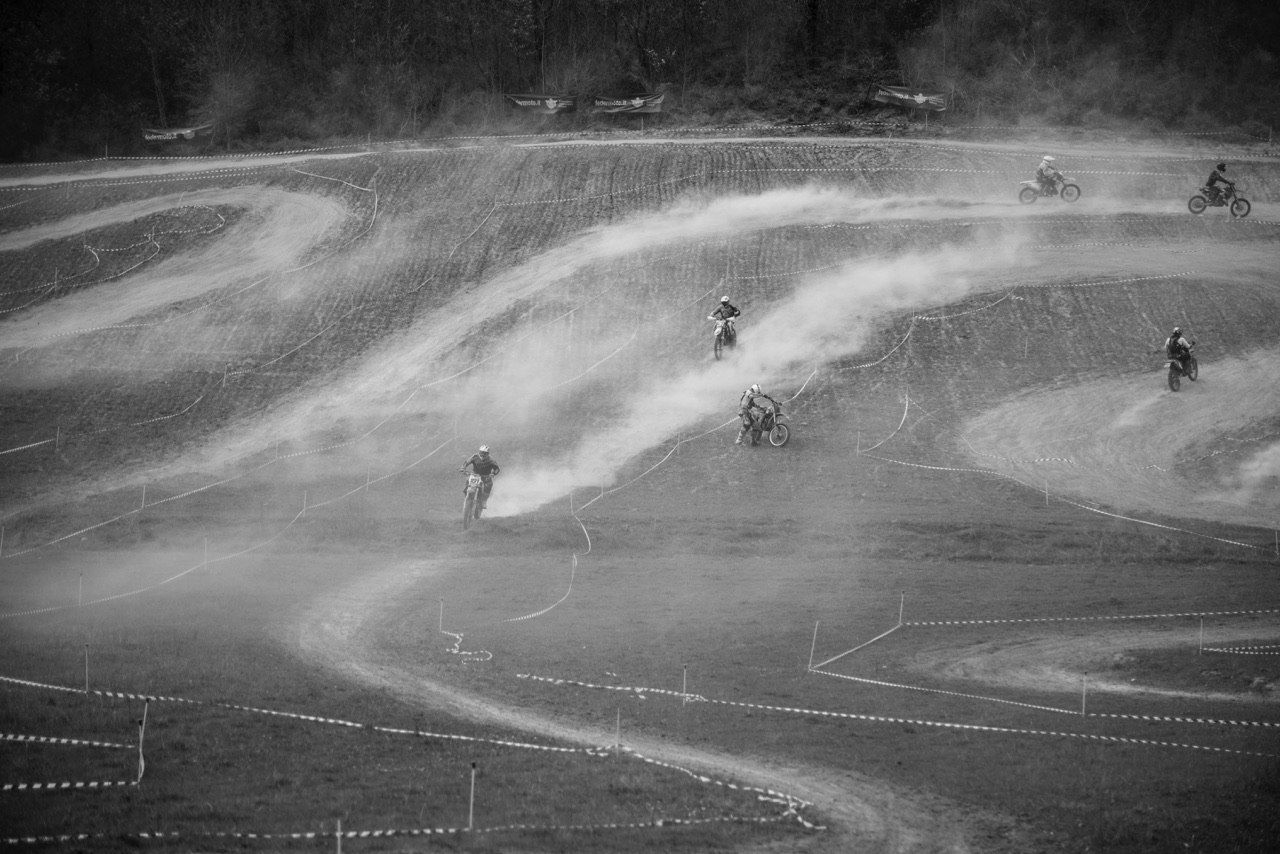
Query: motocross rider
[[726, 312], [1217, 177], [485, 466], [1177, 348], [750, 412], [1047, 174]]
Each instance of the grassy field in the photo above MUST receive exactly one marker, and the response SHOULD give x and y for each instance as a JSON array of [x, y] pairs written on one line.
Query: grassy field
[[1002, 591]]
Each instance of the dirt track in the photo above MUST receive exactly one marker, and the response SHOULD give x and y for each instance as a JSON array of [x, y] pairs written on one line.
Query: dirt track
[[340, 631], [1129, 445], [1138, 439]]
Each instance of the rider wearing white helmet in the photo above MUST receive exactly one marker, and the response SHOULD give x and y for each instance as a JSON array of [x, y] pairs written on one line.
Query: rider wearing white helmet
[[750, 412], [485, 466], [1046, 173], [726, 312], [1177, 347]]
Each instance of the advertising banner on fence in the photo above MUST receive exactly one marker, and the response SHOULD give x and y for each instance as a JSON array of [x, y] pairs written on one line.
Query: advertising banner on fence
[[632, 104], [909, 98], [166, 134], [543, 103]]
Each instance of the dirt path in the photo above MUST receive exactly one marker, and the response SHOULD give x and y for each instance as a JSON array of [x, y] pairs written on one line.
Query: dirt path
[[1059, 663], [1139, 438], [279, 228], [860, 814]]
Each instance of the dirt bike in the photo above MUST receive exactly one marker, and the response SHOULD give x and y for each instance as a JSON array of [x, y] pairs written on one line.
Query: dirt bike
[[724, 336], [473, 499], [1061, 187], [770, 424], [1213, 197], [1177, 372]]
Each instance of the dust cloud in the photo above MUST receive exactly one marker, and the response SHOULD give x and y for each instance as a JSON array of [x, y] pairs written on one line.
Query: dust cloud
[[1258, 474], [279, 228], [443, 368], [826, 318]]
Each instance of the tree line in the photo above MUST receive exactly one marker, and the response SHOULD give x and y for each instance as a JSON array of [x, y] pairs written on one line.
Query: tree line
[[82, 76]]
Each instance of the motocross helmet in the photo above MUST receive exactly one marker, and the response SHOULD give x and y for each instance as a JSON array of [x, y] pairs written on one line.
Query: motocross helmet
[[1048, 158], [1177, 330], [755, 388], [484, 449], [1222, 167], [724, 298]]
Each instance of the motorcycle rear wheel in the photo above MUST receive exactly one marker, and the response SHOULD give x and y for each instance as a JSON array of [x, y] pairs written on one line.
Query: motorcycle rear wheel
[[1027, 195], [468, 510], [779, 435], [1193, 369], [1070, 192], [1175, 377], [1240, 207], [1197, 204]]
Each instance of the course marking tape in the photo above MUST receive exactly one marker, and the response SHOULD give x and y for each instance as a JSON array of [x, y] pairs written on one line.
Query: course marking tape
[[1240, 650], [781, 797], [388, 833], [963, 313], [983, 728], [884, 684], [203, 174], [702, 778], [1095, 618], [52, 787], [1075, 712], [466, 655], [120, 695], [1177, 719], [75, 742]]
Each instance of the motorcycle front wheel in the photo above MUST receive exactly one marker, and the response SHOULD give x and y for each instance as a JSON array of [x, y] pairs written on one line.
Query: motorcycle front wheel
[[1027, 195], [468, 510], [1070, 192], [1193, 369], [1197, 204], [1175, 377], [1240, 207], [718, 346], [779, 435]]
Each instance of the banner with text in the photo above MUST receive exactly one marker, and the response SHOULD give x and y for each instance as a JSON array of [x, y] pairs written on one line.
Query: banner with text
[[168, 134], [543, 103], [910, 98], [632, 104]]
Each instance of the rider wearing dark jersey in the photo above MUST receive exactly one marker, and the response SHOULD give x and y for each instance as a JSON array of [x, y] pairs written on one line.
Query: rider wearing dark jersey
[[1176, 347], [726, 311], [1217, 177], [485, 466]]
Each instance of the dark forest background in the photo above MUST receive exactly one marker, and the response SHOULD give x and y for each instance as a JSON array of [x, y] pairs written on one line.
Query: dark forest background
[[81, 77]]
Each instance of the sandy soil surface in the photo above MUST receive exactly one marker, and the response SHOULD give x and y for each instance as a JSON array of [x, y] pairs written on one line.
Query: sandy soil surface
[[279, 228], [1136, 438], [1064, 663], [1125, 443], [339, 631]]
